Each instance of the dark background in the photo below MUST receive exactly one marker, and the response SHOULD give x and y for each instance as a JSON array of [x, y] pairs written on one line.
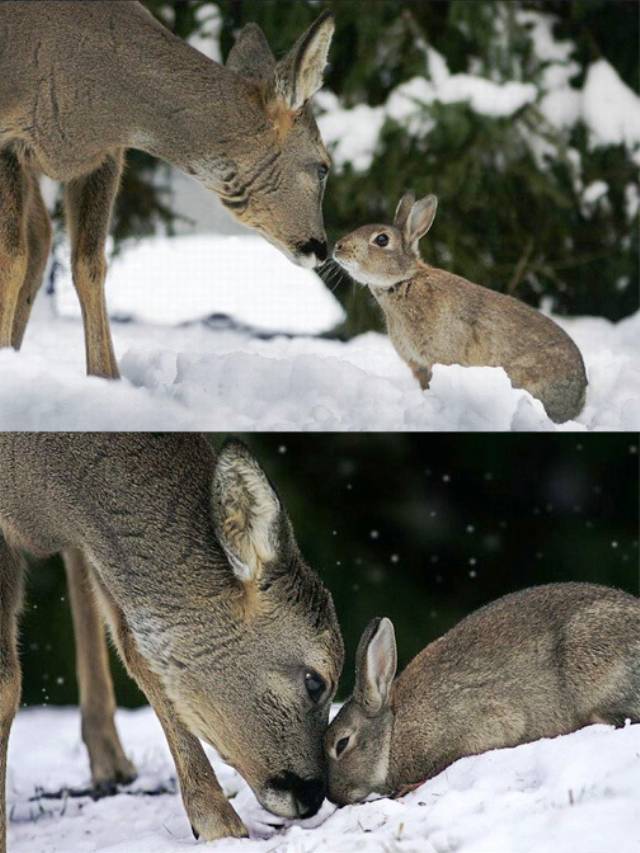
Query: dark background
[[503, 221], [422, 528]]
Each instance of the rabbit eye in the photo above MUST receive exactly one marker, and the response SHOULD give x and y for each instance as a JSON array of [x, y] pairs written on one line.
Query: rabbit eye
[[382, 240], [341, 745], [323, 171]]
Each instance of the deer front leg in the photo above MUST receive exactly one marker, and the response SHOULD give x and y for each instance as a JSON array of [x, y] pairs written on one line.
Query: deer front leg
[[209, 811], [10, 679], [39, 246], [14, 199], [422, 374], [89, 201], [109, 765]]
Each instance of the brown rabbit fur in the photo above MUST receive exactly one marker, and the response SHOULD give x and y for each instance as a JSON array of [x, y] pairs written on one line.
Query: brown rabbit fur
[[436, 317], [537, 663]]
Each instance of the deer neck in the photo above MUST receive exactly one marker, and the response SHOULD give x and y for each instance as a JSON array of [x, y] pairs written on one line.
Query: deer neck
[[191, 112]]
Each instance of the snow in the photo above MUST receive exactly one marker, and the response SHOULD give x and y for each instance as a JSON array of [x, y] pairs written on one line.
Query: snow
[[611, 110], [202, 376], [607, 106], [176, 280], [561, 107], [352, 134], [593, 194], [577, 792], [540, 28], [206, 36]]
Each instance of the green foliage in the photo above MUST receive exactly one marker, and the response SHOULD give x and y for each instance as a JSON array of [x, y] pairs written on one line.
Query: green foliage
[[504, 220]]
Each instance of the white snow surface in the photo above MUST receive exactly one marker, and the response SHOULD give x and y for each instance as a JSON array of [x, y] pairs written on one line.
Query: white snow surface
[[576, 792], [174, 280], [199, 377]]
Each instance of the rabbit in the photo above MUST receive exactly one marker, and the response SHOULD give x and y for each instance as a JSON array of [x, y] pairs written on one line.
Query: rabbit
[[434, 316], [537, 663]]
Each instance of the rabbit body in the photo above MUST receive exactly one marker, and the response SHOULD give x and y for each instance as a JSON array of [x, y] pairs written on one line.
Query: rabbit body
[[437, 317], [537, 663]]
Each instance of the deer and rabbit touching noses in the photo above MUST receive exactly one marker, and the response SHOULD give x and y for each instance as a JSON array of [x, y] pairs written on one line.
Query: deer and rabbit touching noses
[[190, 558], [74, 105], [247, 132]]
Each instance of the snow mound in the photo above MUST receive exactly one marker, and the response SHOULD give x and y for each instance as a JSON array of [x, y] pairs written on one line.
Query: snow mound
[[577, 792], [177, 280], [196, 378]]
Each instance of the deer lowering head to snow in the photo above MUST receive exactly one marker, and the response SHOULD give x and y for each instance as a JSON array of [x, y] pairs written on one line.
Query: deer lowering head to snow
[[191, 559], [436, 317], [82, 82], [534, 664]]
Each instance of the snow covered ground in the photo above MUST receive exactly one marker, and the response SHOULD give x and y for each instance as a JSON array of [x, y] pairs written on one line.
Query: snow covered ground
[[578, 792], [197, 376]]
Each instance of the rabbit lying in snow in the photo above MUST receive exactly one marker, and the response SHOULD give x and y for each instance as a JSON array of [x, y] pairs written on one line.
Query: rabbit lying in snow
[[533, 664], [434, 316]]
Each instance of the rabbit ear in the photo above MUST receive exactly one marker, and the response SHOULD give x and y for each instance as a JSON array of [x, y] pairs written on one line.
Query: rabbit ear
[[403, 210], [419, 221], [376, 663]]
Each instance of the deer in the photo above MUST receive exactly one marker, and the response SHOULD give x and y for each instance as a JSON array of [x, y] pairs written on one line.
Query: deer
[[84, 82], [190, 558]]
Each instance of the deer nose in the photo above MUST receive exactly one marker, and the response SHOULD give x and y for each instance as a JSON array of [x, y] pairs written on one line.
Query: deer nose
[[309, 794], [314, 247]]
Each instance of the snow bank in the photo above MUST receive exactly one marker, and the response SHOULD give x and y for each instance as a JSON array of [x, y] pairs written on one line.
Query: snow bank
[[197, 377], [578, 792], [176, 280]]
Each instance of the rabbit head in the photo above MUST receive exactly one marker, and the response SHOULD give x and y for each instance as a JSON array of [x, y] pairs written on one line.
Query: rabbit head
[[358, 741], [381, 256]]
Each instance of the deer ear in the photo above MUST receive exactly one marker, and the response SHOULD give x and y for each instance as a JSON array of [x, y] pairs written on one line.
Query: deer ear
[[376, 664], [299, 75], [419, 221], [247, 514], [403, 210], [251, 55]]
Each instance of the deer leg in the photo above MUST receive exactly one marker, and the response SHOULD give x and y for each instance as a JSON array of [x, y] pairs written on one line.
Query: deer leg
[[10, 679], [210, 813], [109, 764], [422, 374], [89, 201], [14, 200], [39, 246]]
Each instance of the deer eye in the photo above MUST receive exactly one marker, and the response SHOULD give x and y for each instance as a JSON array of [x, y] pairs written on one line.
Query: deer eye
[[315, 685], [382, 240], [323, 171], [341, 745]]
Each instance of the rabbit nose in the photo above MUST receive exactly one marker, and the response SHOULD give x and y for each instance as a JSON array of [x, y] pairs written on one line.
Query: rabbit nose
[[339, 246]]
